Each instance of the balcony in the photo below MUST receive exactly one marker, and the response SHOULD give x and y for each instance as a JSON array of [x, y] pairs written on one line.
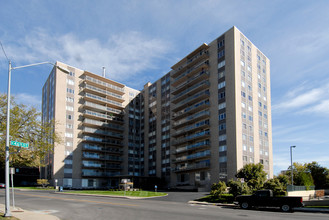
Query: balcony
[[97, 115], [192, 99], [198, 155], [189, 167], [101, 132], [190, 119], [191, 128], [195, 146], [96, 123], [101, 100], [190, 81], [193, 137], [93, 106], [98, 173], [112, 150], [102, 140], [181, 113], [104, 85], [190, 60], [114, 96], [190, 91]]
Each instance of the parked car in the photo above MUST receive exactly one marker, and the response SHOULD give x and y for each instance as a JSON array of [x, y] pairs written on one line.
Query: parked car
[[2, 185], [265, 198]]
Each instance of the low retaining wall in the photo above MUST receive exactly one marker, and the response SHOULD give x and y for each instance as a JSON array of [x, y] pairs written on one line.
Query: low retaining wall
[[308, 194]]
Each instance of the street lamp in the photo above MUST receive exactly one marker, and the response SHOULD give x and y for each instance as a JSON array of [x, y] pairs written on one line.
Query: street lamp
[[292, 174], [7, 205]]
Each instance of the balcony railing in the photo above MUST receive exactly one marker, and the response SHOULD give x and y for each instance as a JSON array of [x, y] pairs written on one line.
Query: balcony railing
[[101, 123], [102, 140], [193, 146], [102, 91], [195, 98], [102, 107], [192, 127], [191, 117], [193, 166], [104, 116], [97, 173], [108, 101], [193, 156], [201, 134], [101, 132], [197, 76], [190, 89], [102, 149], [104, 83]]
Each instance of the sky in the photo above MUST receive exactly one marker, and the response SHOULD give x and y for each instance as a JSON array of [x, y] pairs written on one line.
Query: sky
[[138, 41]]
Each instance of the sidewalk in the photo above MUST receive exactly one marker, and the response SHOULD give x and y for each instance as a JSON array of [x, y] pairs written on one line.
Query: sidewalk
[[28, 215]]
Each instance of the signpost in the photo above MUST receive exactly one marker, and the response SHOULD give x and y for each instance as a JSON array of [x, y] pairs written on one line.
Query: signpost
[[19, 144]]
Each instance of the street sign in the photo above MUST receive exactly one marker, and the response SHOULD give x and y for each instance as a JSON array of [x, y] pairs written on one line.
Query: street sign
[[19, 144]]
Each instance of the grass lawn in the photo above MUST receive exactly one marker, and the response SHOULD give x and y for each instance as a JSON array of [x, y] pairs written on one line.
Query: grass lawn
[[34, 188], [119, 193], [7, 218], [317, 206]]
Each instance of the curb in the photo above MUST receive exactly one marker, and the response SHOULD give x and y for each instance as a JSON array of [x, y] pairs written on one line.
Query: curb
[[316, 210]]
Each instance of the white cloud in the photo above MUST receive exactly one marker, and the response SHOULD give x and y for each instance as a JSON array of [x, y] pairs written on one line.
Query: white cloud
[[304, 99], [124, 55], [27, 99]]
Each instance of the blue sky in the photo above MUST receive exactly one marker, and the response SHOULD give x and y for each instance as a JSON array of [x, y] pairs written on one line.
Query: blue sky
[[138, 41]]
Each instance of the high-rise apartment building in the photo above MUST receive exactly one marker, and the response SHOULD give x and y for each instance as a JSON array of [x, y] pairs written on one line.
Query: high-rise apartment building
[[198, 124]]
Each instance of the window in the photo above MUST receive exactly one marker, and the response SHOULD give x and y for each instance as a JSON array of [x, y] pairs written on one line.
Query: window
[[245, 158], [221, 53], [69, 108], [222, 137], [221, 74], [71, 74], [222, 126], [70, 126], [242, 63], [67, 170], [243, 73], [221, 85], [69, 90], [243, 105], [244, 115], [250, 98], [221, 64], [251, 149], [68, 161], [70, 81], [243, 84], [69, 99], [222, 116], [222, 106], [243, 94], [67, 134], [69, 144], [250, 118], [244, 137], [245, 147], [250, 108], [222, 159], [222, 148], [69, 117]]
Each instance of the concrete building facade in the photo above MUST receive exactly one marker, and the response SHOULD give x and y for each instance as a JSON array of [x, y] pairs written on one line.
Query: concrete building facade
[[198, 124]]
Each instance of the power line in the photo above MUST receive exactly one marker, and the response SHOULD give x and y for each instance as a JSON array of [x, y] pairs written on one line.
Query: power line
[[4, 51]]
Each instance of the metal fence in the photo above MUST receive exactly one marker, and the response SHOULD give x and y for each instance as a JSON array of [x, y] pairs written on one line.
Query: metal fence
[[299, 188]]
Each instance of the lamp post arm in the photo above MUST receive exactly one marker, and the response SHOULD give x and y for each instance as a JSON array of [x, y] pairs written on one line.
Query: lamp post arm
[[34, 64]]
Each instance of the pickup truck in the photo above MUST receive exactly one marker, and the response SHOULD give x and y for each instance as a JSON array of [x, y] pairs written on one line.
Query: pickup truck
[[264, 198]]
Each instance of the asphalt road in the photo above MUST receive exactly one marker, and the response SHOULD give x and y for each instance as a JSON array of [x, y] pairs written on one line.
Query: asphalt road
[[71, 207]]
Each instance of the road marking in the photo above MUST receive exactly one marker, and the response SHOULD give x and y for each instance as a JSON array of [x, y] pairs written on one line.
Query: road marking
[[79, 200]]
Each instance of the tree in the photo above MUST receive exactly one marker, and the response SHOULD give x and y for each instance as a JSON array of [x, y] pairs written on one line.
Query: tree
[[319, 174], [302, 175], [276, 186], [238, 188], [26, 126], [42, 182], [253, 174], [217, 189]]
